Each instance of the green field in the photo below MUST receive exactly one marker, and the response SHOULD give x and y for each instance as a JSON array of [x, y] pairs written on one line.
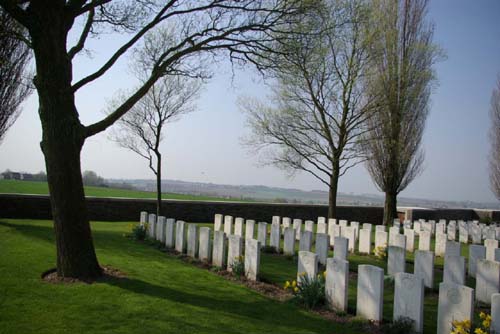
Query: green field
[[41, 188]]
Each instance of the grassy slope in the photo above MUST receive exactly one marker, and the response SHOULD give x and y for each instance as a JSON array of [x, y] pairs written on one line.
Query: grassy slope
[[160, 295], [41, 188]]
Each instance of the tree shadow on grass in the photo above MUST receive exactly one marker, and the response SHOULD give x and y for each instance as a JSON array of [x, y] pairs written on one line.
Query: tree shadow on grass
[[270, 313]]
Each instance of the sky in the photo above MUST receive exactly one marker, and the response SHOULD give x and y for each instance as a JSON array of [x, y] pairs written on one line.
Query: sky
[[205, 146]]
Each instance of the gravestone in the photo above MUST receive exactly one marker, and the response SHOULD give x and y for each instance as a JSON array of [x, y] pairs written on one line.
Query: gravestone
[[219, 252], [276, 220], [218, 219], [343, 223], [336, 233], [234, 251], [452, 232], [322, 245], [238, 226], [487, 280], [309, 225], [321, 220], [250, 229], [180, 236], [424, 267], [456, 302], [170, 233], [424, 240], [262, 234], [286, 222], [307, 265], [495, 313], [370, 296], [337, 284], [192, 240], [490, 245], [275, 237], [367, 226], [440, 245], [463, 235], [297, 226], [205, 246], [321, 228], [341, 248], [349, 233], [497, 254], [380, 228], [228, 225], [152, 225], [475, 232], [289, 242], [365, 245], [453, 248], [252, 259], [454, 269], [380, 239], [476, 253], [305, 242], [143, 218], [393, 232], [409, 299], [396, 261], [331, 230], [400, 241], [410, 239], [160, 236], [417, 227], [355, 226]]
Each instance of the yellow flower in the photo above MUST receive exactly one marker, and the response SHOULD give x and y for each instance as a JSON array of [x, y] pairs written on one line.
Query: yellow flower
[[302, 273], [479, 331], [287, 285], [295, 289], [294, 283], [486, 323], [482, 315], [324, 274]]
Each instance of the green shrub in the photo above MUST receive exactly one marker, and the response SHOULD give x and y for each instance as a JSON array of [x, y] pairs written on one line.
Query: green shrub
[[402, 325], [308, 292], [238, 266], [138, 231]]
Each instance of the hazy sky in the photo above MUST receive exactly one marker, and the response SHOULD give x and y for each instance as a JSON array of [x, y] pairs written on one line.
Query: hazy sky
[[205, 145]]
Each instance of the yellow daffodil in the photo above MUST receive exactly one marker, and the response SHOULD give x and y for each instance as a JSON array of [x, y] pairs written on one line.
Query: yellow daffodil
[[287, 285], [482, 315], [295, 289], [479, 331], [324, 274], [294, 283]]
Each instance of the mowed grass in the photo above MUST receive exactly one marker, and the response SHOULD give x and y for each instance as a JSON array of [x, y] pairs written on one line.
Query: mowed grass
[[161, 293], [41, 188]]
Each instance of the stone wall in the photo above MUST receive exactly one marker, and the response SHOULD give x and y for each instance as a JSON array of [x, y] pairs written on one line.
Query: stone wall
[[121, 209], [118, 209]]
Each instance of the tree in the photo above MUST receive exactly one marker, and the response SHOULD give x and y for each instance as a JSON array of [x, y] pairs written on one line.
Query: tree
[[239, 27], [90, 178], [319, 109], [402, 81], [14, 58], [141, 129], [495, 140]]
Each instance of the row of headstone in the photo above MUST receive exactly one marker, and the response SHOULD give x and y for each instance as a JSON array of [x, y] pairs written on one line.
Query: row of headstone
[[221, 250], [456, 301]]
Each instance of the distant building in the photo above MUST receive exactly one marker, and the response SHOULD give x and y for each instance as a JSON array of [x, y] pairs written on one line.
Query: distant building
[[16, 176]]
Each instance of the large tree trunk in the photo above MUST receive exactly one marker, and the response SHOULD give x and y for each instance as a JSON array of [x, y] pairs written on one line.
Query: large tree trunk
[[332, 194], [390, 207], [158, 184], [62, 139]]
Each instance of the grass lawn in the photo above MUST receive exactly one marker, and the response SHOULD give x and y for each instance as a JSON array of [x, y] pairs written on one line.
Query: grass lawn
[[41, 188], [161, 294]]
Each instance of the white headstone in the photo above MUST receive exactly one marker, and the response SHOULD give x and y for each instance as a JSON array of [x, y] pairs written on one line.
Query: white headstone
[[307, 265], [322, 245], [152, 225], [276, 220], [409, 299], [370, 295], [170, 233], [410, 239], [218, 222], [297, 226], [161, 229], [234, 251], [309, 225], [424, 240], [250, 229], [341, 248], [495, 313], [454, 270], [219, 253], [350, 233], [487, 280], [424, 267], [456, 303], [396, 262], [440, 245], [380, 239], [205, 247], [228, 225], [275, 237], [476, 253], [321, 227], [238, 226], [289, 241], [305, 242], [453, 248], [380, 228], [144, 217], [337, 284], [262, 234], [252, 259], [365, 245], [180, 236], [491, 245], [192, 240]]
